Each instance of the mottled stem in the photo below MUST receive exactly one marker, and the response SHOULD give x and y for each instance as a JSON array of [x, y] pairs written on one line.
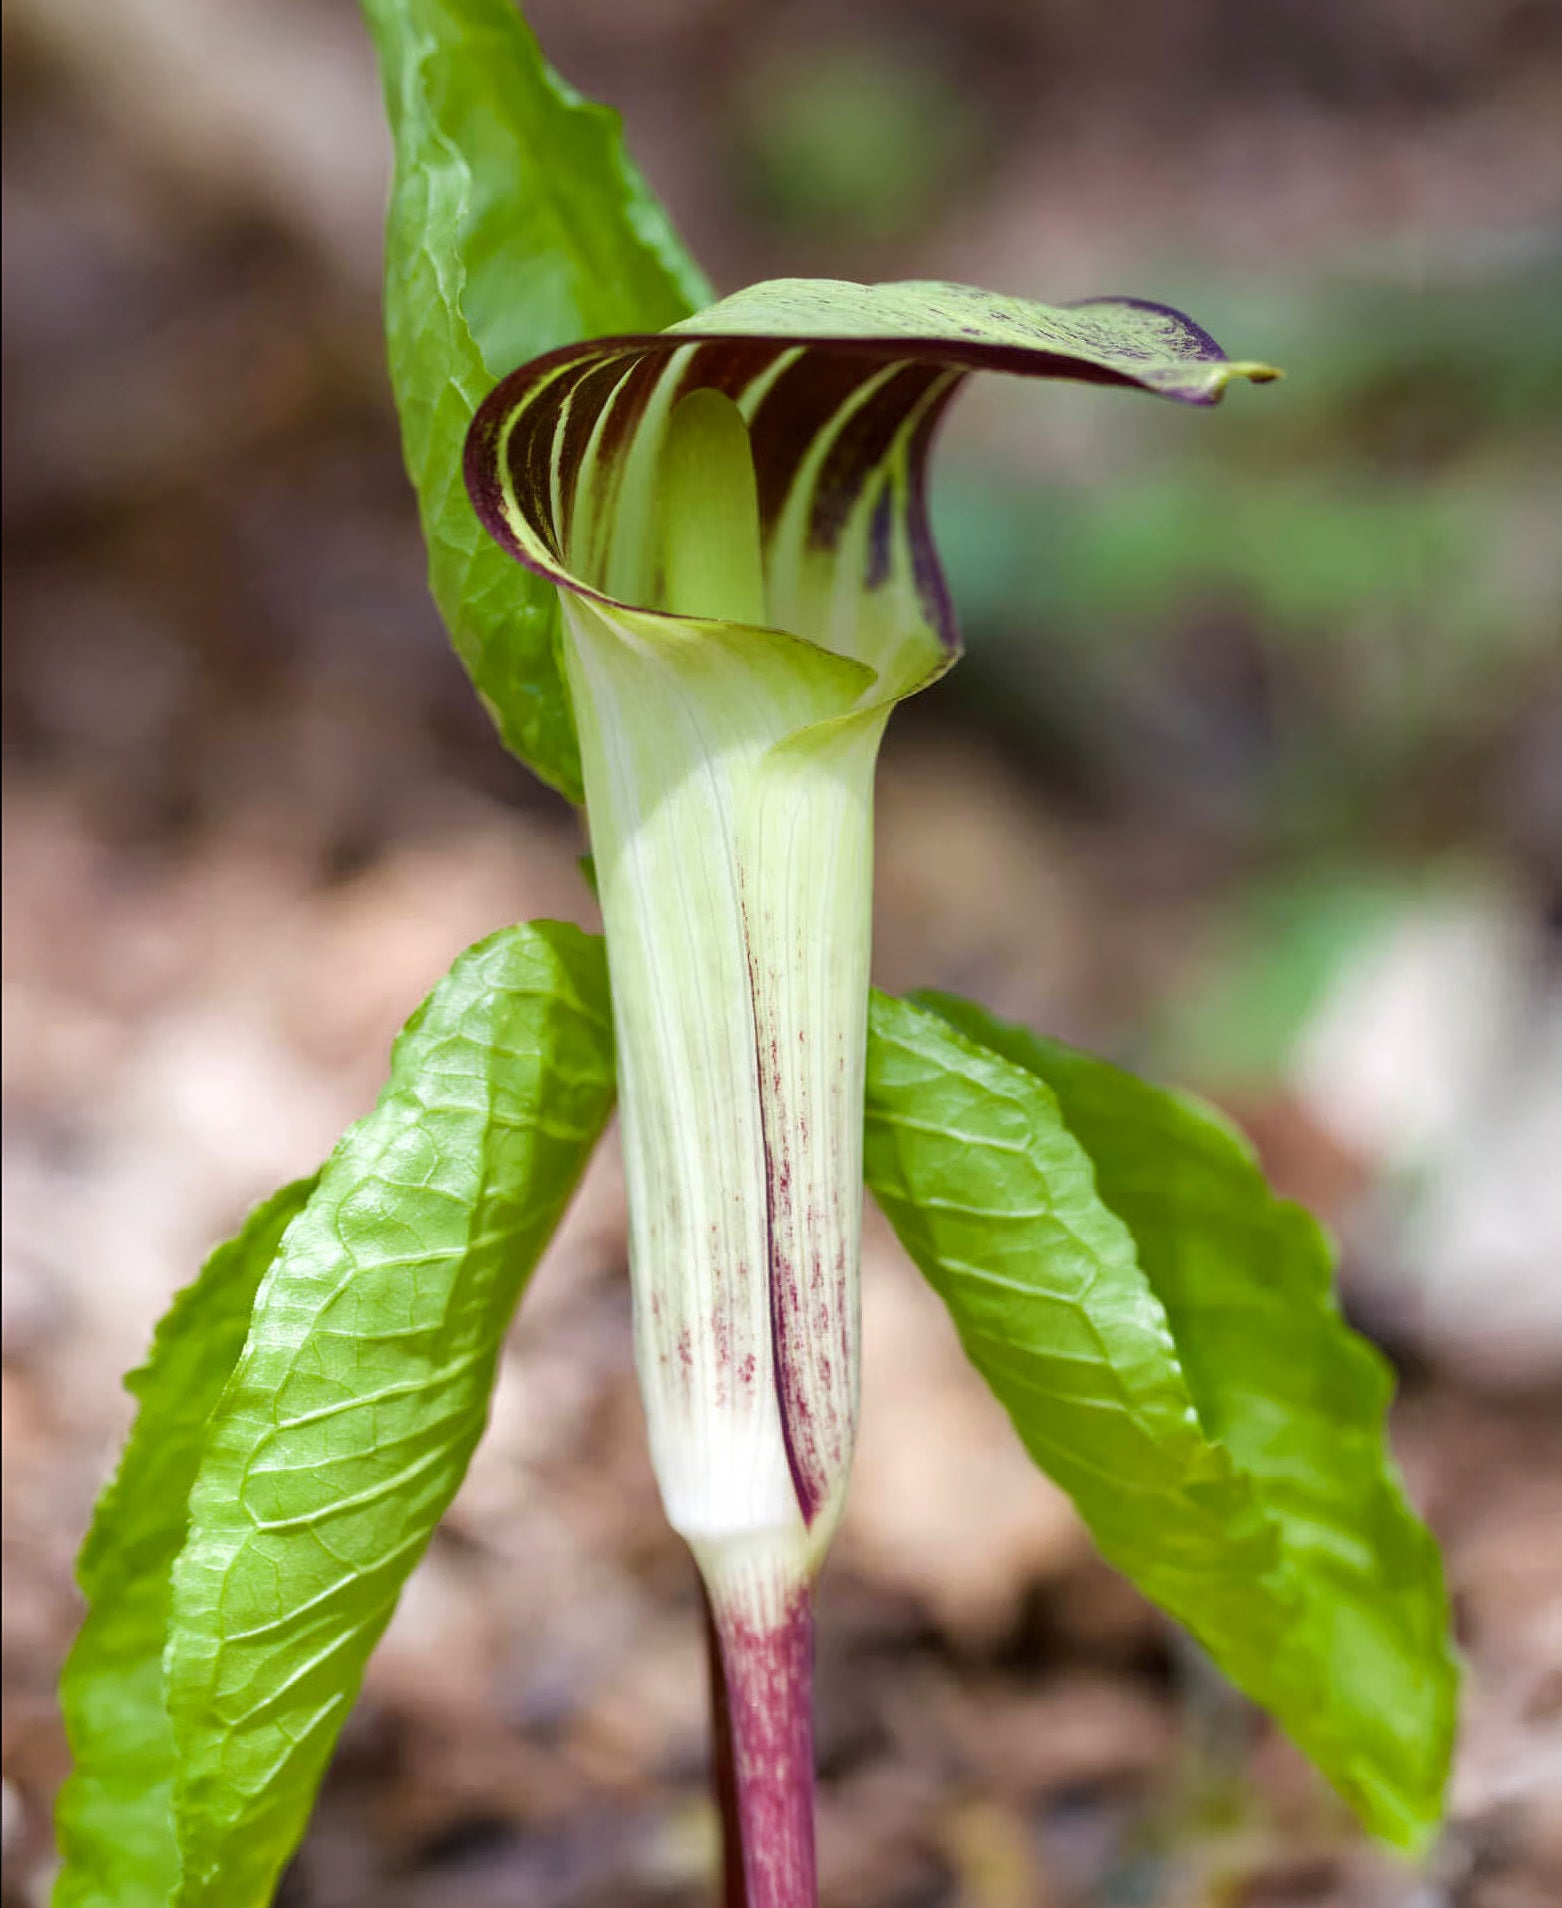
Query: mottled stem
[[767, 1665], [724, 1777]]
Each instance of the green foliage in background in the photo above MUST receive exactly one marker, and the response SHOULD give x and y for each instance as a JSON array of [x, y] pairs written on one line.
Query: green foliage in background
[[1296, 639], [856, 139]]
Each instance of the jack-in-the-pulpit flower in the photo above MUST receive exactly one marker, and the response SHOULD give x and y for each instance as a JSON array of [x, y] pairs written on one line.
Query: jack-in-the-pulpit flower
[[733, 513]]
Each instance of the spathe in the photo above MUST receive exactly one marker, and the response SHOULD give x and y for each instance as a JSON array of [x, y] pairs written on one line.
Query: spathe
[[733, 512]]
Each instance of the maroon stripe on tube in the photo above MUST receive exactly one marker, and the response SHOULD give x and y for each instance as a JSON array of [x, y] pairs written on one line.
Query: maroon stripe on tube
[[932, 588], [860, 446], [791, 415], [592, 391]]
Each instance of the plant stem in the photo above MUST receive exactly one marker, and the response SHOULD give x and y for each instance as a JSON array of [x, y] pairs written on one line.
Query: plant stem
[[724, 1777], [767, 1666]]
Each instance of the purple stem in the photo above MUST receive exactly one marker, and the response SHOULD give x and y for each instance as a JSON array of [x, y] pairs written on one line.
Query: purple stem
[[768, 1687], [724, 1776]]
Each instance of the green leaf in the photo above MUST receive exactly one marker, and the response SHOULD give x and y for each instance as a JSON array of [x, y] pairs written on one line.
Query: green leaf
[[1022, 1176], [1299, 1399], [516, 223], [995, 1200], [350, 1417], [113, 1817]]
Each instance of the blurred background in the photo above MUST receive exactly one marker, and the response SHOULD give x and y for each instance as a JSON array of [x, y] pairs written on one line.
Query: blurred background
[[1252, 778]]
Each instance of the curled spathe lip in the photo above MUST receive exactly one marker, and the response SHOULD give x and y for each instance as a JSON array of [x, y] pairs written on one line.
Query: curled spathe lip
[[842, 387]]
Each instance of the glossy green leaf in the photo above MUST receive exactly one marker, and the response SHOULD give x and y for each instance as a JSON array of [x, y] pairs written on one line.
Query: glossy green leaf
[[114, 1818], [363, 1387], [517, 223], [1298, 1398], [1163, 1333], [995, 1200]]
